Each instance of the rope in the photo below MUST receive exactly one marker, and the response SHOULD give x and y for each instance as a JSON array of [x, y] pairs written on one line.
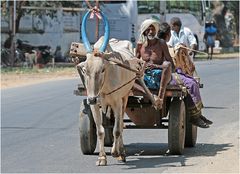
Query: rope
[[95, 11], [89, 5], [126, 67], [136, 77], [138, 73], [193, 50], [122, 86]]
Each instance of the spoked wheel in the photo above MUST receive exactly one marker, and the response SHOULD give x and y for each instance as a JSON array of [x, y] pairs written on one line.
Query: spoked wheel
[[191, 132], [87, 129], [176, 127]]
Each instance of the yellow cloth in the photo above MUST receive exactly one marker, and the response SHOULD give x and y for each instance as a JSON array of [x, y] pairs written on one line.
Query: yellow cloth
[[182, 61]]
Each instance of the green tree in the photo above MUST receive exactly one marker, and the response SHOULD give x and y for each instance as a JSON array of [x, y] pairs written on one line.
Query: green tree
[[219, 10], [7, 7], [233, 6]]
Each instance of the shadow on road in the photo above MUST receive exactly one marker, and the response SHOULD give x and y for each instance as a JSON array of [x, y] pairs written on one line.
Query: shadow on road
[[141, 149], [206, 149], [151, 155], [214, 107]]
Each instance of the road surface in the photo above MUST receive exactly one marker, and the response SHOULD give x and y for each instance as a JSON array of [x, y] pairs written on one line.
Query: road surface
[[39, 131]]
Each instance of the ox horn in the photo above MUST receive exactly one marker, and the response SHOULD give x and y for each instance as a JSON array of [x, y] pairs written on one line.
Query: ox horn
[[106, 33], [84, 35]]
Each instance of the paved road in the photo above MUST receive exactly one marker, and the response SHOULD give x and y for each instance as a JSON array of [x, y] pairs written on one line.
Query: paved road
[[39, 129]]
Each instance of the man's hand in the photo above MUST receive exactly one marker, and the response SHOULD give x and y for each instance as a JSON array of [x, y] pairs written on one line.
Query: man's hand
[[150, 66], [158, 102]]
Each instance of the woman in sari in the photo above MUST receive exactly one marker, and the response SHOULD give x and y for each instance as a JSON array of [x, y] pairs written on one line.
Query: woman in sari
[[184, 75]]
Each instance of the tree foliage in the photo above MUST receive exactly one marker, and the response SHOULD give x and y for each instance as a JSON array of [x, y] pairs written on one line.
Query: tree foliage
[[226, 31], [233, 6], [20, 12]]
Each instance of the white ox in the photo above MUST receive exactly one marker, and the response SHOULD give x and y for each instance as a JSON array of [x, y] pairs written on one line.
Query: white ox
[[108, 86]]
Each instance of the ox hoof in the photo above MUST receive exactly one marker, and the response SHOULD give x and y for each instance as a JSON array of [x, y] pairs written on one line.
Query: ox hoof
[[102, 161], [122, 158], [115, 154]]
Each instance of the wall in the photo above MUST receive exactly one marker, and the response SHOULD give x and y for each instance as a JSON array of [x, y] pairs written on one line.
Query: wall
[[60, 30]]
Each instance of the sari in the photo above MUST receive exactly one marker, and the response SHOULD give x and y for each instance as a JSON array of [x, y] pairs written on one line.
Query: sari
[[184, 75], [193, 99]]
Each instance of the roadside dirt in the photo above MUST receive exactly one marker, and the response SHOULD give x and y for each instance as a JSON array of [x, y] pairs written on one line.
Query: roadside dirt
[[9, 80], [17, 79]]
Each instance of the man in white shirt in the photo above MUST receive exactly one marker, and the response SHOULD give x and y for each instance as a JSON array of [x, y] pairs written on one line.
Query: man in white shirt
[[184, 36], [181, 35]]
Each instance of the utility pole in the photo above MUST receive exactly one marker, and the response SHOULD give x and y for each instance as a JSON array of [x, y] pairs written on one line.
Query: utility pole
[[163, 7], [13, 30], [97, 24]]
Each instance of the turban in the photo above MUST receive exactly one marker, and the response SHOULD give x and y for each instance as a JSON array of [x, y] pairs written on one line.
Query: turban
[[144, 26]]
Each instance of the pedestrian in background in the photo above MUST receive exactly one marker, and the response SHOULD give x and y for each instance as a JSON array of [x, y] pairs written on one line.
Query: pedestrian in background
[[209, 37]]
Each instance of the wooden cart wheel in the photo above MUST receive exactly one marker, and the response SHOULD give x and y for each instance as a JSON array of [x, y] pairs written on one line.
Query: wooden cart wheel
[[176, 127], [191, 132], [87, 129], [108, 127]]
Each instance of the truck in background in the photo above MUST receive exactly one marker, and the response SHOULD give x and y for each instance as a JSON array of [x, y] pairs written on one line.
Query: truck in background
[[191, 13], [122, 17]]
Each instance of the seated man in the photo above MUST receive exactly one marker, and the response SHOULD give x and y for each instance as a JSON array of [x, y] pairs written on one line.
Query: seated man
[[193, 99], [181, 35], [155, 53]]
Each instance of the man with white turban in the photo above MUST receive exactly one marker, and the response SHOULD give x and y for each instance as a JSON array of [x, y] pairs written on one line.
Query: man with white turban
[[144, 26], [159, 62]]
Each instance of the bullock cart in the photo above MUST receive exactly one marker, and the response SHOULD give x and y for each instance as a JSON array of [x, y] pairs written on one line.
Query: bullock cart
[[141, 115], [106, 60]]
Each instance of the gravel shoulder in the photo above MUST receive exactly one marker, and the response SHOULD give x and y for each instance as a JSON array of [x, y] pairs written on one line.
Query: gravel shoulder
[[9, 80], [18, 79]]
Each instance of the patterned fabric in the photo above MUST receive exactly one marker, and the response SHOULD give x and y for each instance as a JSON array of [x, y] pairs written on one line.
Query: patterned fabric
[[182, 61], [152, 78], [193, 99]]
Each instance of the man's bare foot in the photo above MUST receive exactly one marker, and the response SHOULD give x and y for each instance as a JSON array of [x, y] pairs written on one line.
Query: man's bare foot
[[158, 102]]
